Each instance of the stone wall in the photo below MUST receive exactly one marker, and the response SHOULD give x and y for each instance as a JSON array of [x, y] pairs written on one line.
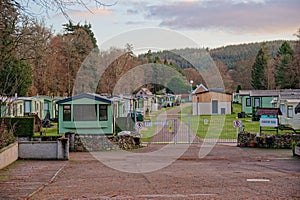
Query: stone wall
[[283, 141], [91, 142]]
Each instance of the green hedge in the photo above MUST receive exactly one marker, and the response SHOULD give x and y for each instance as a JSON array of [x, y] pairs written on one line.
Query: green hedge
[[6, 138], [22, 126]]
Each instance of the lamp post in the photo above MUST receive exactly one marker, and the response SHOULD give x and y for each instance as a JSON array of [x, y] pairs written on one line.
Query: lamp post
[[189, 117], [191, 84]]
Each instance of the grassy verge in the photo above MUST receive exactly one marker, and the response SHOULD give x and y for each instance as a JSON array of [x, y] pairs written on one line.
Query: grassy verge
[[211, 125]]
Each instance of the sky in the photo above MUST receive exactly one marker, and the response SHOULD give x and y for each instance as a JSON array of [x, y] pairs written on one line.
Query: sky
[[208, 23]]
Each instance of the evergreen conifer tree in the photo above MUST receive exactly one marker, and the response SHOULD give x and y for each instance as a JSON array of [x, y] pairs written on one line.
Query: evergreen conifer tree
[[257, 73]]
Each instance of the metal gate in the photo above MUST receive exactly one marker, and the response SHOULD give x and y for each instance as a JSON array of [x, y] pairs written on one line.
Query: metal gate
[[171, 131], [177, 131]]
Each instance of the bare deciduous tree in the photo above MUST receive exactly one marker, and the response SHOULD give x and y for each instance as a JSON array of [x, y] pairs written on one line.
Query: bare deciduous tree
[[44, 6]]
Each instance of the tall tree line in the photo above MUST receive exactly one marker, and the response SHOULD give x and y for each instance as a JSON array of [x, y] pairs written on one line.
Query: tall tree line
[[35, 61], [282, 72]]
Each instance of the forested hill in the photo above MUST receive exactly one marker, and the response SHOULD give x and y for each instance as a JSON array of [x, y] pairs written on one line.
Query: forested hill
[[234, 62], [228, 55], [232, 54]]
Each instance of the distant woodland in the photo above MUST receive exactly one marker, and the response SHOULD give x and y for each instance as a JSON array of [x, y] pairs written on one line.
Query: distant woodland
[[35, 60]]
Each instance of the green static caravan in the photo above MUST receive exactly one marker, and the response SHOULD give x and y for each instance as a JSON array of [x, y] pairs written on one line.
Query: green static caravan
[[253, 99], [32, 105], [85, 114]]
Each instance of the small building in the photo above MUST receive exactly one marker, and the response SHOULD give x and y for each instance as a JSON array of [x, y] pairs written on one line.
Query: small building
[[211, 101], [85, 114]]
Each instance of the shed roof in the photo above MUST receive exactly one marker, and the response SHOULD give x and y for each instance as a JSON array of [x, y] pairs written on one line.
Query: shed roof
[[215, 90], [199, 87], [269, 111], [85, 95]]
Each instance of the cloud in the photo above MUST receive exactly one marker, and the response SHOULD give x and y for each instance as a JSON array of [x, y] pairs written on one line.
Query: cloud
[[132, 12], [101, 11], [134, 22], [236, 16]]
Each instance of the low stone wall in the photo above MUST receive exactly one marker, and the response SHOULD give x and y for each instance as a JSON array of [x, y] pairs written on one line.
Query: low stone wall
[[49, 150], [8, 155], [91, 142], [283, 141], [127, 142]]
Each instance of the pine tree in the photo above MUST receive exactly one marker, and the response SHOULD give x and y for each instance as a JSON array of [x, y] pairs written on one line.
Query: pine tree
[[283, 67], [70, 28], [239, 87], [257, 73]]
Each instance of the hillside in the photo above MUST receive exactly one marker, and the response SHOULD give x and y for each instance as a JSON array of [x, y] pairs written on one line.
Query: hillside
[[232, 54], [234, 61]]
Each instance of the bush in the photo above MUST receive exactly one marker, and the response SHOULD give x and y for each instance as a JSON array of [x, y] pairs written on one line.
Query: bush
[[6, 138], [21, 126]]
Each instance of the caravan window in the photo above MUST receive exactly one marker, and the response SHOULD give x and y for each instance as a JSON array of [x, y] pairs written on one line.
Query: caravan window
[[283, 109], [85, 112], [67, 112], [256, 102], [290, 113], [27, 107], [21, 109], [103, 113], [248, 102], [46, 106]]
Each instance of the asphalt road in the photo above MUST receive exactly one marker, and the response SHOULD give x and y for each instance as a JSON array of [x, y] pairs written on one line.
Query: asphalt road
[[227, 172]]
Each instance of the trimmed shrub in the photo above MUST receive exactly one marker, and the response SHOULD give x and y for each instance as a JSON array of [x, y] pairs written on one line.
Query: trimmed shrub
[[21, 126], [6, 138]]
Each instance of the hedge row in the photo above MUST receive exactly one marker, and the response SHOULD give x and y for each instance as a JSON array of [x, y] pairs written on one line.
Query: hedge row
[[21, 126]]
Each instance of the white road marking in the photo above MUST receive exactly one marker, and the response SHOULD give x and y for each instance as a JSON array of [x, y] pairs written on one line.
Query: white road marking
[[258, 180]]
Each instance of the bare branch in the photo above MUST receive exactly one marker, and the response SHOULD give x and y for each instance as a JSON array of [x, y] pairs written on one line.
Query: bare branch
[[61, 6]]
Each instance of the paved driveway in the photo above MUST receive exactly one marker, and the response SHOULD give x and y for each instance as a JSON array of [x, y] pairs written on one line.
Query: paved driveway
[[225, 173]]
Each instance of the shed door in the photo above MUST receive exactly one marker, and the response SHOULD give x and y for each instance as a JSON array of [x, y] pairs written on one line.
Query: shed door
[[214, 107]]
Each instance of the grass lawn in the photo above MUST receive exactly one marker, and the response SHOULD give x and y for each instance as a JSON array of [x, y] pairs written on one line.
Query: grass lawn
[[49, 131], [220, 125]]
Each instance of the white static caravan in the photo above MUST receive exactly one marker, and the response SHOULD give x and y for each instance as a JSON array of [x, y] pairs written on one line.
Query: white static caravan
[[33, 105], [11, 107], [288, 104]]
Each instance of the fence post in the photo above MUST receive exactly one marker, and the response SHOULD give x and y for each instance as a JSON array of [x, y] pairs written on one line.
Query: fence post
[[189, 129], [175, 130]]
